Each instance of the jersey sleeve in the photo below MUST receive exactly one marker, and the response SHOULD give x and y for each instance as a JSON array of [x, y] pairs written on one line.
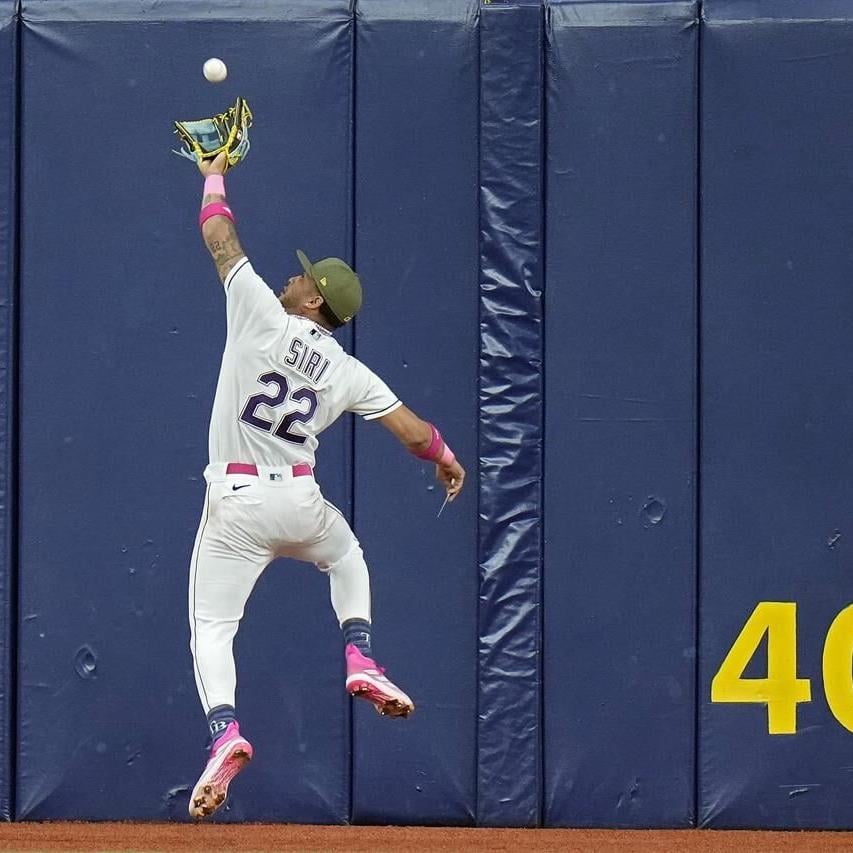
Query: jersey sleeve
[[371, 397], [252, 309]]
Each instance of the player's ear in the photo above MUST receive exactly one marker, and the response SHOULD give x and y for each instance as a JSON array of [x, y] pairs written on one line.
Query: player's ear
[[315, 302]]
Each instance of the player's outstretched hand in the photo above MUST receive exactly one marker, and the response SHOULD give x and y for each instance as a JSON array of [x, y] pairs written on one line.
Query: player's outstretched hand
[[217, 166], [451, 477]]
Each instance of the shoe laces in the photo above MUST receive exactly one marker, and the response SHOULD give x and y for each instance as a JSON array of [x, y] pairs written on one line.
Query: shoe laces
[[214, 746], [370, 665]]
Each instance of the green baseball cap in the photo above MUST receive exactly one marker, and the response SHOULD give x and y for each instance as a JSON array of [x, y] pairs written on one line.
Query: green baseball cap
[[337, 284]]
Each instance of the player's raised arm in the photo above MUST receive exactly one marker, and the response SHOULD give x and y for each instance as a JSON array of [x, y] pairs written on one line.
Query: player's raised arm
[[216, 218], [423, 440]]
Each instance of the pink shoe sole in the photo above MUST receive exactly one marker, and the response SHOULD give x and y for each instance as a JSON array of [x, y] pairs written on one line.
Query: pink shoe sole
[[211, 789], [387, 706]]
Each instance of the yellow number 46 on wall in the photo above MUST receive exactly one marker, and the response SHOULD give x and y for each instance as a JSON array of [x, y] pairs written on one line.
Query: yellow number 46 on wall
[[781, 690]]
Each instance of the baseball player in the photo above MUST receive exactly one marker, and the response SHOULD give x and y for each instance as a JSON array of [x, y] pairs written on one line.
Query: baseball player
[[282, 381]]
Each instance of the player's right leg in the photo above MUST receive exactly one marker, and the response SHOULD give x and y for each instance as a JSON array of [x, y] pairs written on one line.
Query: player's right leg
[[226, 562], [336, 551]]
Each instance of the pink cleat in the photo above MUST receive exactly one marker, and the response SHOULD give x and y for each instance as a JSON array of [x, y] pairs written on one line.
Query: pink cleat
[[229, 754], [365, 678]]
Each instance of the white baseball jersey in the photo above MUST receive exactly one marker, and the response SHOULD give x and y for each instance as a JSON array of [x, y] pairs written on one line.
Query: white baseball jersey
[[282, 381]]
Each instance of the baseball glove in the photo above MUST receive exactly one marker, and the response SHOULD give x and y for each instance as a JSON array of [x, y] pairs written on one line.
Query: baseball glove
[[228, 132]]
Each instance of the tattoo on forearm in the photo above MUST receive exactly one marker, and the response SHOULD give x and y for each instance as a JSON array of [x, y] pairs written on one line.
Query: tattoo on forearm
[[225, 249]]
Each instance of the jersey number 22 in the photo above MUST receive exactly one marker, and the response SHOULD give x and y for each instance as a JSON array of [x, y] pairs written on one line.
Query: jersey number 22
[[281, 395]]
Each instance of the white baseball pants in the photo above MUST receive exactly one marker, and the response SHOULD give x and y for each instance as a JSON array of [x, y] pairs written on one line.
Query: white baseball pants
[[248, 521]]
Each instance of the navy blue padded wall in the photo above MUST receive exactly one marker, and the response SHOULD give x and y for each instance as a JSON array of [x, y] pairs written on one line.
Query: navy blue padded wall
[[416, 248], [777, 322], [122, 332], [511, 170], [8, 231], [619, 417]]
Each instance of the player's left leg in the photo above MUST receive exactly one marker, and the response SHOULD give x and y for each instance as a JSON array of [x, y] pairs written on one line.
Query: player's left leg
[[226, 563], [222, 576]]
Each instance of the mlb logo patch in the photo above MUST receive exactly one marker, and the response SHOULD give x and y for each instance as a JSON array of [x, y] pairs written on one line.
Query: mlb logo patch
[[314, 333], [276, 477]]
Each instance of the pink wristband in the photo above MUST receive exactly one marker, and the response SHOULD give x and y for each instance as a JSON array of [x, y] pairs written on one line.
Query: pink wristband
[[214, 184], [215, 208], [431, 453], [447, 456], [438, 451]]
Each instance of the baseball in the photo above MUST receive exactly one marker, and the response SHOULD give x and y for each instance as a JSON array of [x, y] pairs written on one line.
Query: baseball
[[215, 70]]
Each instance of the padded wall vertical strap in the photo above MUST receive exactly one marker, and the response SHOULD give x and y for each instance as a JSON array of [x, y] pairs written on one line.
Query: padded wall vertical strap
[[8, 266], [510, 450]]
